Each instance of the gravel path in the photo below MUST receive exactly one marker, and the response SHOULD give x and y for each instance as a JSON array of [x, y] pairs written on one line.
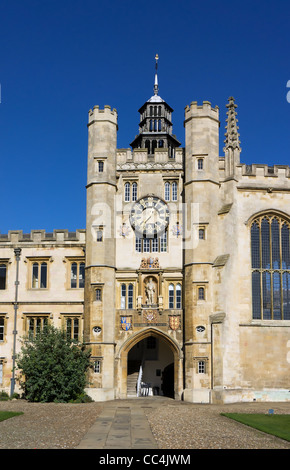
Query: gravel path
[[193, 426], [175, 425]]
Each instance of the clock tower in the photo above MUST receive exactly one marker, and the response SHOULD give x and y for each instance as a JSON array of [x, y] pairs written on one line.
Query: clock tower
[[133, 303]]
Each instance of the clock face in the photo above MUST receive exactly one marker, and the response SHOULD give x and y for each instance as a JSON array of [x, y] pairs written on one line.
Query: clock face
[[149, 216]]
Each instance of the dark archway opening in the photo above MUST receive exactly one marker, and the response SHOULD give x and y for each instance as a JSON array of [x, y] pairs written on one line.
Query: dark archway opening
[[150, 368]]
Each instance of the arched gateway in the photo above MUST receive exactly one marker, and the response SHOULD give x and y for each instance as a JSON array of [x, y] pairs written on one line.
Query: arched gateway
[[153, 358]]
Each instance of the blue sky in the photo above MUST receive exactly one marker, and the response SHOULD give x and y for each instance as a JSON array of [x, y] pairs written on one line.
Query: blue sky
[[60, 58]]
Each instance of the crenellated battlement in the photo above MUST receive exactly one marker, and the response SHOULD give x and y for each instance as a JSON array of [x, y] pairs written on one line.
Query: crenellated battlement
[[128, 159], [106, 114], [41, 236], [204, 110], [263, 170]]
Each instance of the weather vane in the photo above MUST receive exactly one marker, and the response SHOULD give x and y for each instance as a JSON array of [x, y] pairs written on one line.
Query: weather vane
[[156, 58]]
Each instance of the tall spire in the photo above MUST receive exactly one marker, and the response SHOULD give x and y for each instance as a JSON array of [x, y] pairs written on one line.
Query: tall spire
[[156, 78], [232, 142], [232, 136]]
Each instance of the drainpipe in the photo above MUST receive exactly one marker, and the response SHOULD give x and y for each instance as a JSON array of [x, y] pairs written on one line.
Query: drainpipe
[[17, 252]]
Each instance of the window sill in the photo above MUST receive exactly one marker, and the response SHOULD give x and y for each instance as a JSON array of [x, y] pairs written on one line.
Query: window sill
[[267, 323]]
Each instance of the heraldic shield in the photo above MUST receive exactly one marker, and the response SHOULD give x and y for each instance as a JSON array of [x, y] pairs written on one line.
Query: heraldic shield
[[126, 323], [174, 322]]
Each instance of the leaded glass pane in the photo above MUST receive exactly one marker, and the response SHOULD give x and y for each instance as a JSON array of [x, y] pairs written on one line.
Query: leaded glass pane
[[43, 271], [265, 229], [138, 244], [82, 275], [134, 192], [256, 295], [285, 247], [275, 244], [286, 295], [130, 296], [174, 191], [266, 295], [35, 275], [146, 245], [76, 329], [68, 328], [73, 275], [167, 192], [171, 296], [277, 314], [127, 192], [123, 296], [154, 244], [255, 234], [178, 296], [163, 242]]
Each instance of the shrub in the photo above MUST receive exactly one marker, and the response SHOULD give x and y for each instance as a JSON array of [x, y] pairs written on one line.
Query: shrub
[[53, 367], [4, 396]]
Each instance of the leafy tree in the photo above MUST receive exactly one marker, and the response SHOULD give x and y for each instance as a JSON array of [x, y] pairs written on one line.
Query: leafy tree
[[53, 367]]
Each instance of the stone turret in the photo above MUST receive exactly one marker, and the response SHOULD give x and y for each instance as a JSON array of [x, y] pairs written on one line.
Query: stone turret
[[99, 318]]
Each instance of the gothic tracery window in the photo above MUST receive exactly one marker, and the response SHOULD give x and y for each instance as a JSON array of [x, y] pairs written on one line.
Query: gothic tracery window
[[270, 250]]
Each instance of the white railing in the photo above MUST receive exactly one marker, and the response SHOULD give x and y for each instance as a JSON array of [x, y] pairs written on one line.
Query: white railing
[[139, 381]]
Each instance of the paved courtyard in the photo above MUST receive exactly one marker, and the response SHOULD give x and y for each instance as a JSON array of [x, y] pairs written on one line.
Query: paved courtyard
[[143, 423]]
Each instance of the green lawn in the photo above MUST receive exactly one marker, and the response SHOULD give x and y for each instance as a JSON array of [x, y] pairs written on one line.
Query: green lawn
[[8, 414], [277, 425]]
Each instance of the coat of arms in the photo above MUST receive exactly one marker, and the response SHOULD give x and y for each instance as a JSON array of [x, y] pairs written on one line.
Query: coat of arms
[[150, 316], [174, 322], [126, 323]]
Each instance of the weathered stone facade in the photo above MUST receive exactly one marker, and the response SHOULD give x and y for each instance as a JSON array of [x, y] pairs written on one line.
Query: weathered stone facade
[[176, 305]]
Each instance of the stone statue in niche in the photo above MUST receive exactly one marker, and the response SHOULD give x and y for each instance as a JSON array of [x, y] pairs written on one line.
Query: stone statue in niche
[[150, 289]]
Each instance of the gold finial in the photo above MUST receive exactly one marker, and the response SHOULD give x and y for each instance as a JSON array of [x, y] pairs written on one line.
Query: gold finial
[[156, 78]]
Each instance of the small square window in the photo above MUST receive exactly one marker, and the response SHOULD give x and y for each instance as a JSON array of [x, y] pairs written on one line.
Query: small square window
[[201, 293], [201, 367], [200, 164], [99, 294], [201, 233], [97, 366]]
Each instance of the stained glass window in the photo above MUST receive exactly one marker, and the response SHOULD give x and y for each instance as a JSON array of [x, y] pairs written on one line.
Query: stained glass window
[[270, 250]]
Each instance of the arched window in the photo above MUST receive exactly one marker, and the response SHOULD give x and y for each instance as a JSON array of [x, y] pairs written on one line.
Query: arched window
[[154, 145], [123, 296], [39, 275], [130, 296], [127, 192], [270, 253], [171, 296], [167, 191], [134, 192], [174, 191], [178, 296]]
